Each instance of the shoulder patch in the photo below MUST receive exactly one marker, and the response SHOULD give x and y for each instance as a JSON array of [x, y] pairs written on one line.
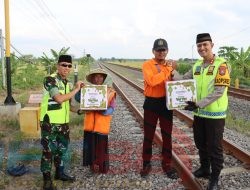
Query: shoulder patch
[[49, 82], [222, 78], [197, 70], [222, 70]]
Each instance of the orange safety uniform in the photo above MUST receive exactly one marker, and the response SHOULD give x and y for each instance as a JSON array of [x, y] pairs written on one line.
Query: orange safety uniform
[[155, 76], [95, 121]]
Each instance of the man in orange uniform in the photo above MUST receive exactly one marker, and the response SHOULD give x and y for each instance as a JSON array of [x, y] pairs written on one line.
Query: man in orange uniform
[[156, 72]]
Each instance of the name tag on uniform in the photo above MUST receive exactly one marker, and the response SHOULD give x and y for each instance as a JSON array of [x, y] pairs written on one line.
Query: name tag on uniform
[[210, 70]]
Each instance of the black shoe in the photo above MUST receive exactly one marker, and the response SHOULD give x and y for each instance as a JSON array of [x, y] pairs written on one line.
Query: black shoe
[[103, 169], [202, 172], [146, 170], [60, 175], [65, 177], [213, 184], [171, 173], [47, 182], [94, 168], [169, 170], [48, 185]]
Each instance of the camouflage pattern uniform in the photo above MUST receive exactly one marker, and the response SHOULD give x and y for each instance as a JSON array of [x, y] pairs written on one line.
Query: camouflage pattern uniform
[[54, 137], [55, 140]]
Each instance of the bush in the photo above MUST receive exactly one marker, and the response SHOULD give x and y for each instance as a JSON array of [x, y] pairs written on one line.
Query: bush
[[28, 77], [183, 67]]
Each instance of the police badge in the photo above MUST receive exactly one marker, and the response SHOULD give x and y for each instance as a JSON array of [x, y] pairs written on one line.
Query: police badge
[[222, 70], [210, 70]]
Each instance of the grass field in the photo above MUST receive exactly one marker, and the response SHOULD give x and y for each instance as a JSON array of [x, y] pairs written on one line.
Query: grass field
[[135, 64]]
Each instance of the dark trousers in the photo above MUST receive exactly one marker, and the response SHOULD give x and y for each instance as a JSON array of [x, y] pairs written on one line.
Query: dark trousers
[[88, 148], [208, 135], [151, 118], [95, 150]]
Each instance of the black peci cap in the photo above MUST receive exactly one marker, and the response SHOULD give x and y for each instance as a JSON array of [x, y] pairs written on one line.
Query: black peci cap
[[160, 44], [65, 58], [203, 37]]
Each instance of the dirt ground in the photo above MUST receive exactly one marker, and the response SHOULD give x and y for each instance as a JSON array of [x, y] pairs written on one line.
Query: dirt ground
[[16, 148]]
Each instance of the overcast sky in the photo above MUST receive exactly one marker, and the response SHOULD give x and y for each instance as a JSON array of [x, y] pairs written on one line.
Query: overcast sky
[[125, 28]]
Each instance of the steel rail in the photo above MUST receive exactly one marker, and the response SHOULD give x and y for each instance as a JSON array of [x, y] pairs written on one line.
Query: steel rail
[[235, 92], [238, 152], [188, 179]]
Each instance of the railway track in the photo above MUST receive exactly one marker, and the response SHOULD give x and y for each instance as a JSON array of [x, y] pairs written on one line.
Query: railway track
[[125, 141], [185, 157], [235, 92], [239, 93]]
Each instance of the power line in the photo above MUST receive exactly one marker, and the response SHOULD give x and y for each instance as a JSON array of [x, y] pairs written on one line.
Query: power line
[[39, 12], [27, 61], [15, 48], [54, 21], [44, 16], [30, 12], [235, 33], [223, 39]]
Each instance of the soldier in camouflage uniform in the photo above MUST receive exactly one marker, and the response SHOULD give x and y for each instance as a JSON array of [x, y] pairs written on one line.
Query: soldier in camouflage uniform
[[54, 119]]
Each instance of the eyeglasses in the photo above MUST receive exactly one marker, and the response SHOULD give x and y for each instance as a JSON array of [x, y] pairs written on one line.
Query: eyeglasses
[[65, 65]]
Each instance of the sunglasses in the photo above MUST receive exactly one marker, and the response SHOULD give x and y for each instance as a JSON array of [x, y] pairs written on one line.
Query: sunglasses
[[65, 65], [160, 50]]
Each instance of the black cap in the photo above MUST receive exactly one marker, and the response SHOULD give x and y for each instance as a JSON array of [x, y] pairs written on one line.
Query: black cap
[[65, 58], [160, 44], [203, 37]]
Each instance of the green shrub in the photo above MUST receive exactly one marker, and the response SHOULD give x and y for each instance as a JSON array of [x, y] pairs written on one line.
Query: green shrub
[[183, 67]]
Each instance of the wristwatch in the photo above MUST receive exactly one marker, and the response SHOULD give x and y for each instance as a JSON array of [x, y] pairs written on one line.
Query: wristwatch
[[79, 112]]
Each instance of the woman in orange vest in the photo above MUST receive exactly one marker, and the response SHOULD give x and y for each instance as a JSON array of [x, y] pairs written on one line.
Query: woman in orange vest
[[96, 125]]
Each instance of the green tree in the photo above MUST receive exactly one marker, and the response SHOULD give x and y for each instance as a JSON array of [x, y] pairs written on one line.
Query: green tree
[[50, 63], [86, 61], [241, 60], [183, 67], [225, 51]]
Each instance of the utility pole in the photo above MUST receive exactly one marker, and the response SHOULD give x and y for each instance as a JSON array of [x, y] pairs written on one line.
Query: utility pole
[[84, 53], [75, 73], [2, 57], [9, 99], [88, 60]]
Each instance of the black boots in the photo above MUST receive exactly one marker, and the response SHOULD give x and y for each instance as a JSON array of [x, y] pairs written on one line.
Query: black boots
[[47, 182], [146, 169], [213, 184], [202, 172], [169, 171], [60, 175]]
